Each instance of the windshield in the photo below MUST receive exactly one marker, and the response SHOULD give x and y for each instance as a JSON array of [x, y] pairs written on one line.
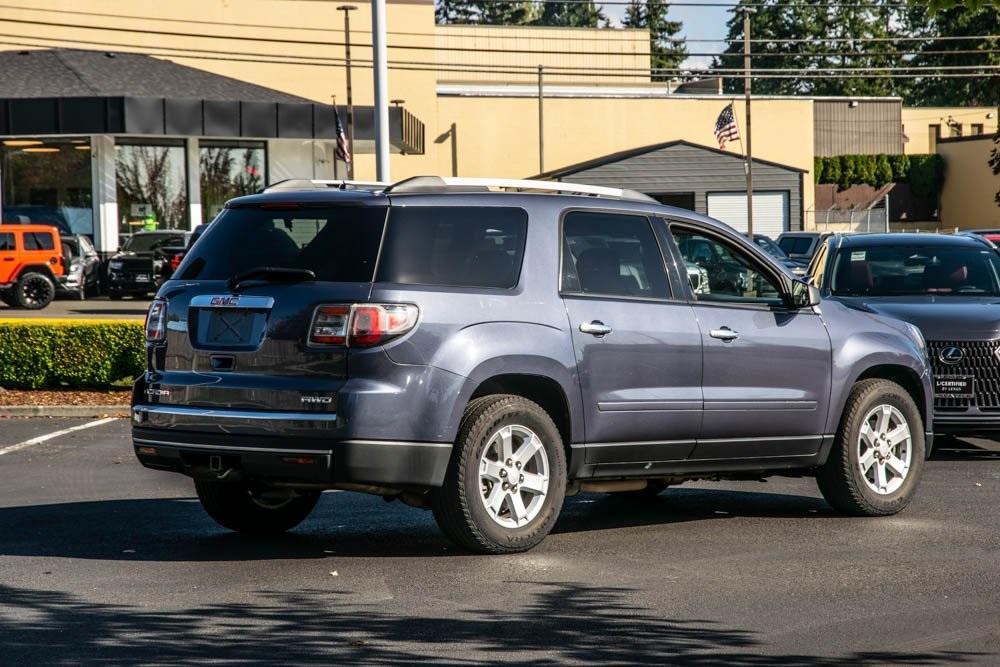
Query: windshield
[[916, 270], [796, 245], [151, 242], [338, 244], [770, 247]]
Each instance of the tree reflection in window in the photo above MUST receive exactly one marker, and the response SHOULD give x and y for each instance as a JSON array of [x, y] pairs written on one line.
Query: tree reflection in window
[[227, 171]]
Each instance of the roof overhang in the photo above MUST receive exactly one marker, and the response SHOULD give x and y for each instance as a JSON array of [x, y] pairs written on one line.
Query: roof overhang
[[224, 119]]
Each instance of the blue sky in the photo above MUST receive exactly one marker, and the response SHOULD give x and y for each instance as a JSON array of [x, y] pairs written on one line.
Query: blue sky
[[699, 23]]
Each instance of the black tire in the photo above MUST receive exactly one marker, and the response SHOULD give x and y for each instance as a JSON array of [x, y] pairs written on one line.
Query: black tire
[[34, 291], [241, 507], [459, 506], [841, 480]]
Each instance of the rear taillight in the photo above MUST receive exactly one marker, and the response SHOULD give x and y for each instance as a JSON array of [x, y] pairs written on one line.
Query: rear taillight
[[156, 321], [175, 261], [361, 325]]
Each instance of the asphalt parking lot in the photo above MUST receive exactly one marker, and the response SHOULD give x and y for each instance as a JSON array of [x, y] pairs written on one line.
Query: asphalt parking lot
[[102, 561], [96, 308]]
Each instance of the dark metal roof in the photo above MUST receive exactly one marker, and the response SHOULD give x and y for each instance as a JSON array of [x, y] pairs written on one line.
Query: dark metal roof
[[83, 73], [76, 91], [632, 152], [899, 239]]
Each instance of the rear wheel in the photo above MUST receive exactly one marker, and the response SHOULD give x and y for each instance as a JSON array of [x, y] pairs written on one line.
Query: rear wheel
[[507, 478], [253, 509], [878, 455], [34, 291]]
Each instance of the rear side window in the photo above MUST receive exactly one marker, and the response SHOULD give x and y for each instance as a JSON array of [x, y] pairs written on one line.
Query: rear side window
[[611, 254], [338, 244], [6, 242], [38, 241], [454, 246]]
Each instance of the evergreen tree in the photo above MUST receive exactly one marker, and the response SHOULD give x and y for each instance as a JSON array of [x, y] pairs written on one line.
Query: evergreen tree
[[666, 50], [576, 15], [994, 160], [485, 12]]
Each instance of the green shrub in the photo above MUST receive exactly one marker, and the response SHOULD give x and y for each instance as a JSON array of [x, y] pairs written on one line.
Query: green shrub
[[900, 167], [883, 171], [69, 353], [831, 172], [848, 171], [926, 176]]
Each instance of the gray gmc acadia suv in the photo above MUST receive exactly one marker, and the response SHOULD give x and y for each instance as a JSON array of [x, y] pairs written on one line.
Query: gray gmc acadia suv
[[485, 353]]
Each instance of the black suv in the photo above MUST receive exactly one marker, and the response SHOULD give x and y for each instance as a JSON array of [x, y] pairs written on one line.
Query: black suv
[[486, 353]]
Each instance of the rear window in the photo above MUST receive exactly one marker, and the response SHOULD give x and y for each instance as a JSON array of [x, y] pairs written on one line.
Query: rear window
[[454, 246], [796, 245], [6, 242], [338, 244], [38, 241]]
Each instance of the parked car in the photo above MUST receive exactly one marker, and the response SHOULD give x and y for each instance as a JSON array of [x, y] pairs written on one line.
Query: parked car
[[31, 264], [484, 354], [176, 253], [82, 267], [801, 245], [946, 285], [143, 263], [992, 236], [796, 266]]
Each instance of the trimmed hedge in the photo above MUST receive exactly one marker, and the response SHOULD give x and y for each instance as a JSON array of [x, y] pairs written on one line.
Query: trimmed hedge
[[924, 173], [45, 353]]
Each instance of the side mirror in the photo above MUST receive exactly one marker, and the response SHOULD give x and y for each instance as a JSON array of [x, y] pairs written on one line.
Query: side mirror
[[804, 295]]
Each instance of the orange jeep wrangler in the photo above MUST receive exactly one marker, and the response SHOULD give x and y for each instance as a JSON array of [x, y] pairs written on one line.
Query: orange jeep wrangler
[[31, 261]]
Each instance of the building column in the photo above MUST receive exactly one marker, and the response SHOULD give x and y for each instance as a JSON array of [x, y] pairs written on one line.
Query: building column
[[192, 153], [105, 195]]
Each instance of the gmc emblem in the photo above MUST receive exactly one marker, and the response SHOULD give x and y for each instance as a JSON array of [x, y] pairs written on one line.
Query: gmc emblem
[[225, 301]]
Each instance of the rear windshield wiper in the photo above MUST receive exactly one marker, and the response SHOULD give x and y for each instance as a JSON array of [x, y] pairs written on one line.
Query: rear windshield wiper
[[274, 274]]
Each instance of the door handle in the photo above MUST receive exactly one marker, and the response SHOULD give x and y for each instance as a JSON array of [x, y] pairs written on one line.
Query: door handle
[[595, 328], [725, 334]]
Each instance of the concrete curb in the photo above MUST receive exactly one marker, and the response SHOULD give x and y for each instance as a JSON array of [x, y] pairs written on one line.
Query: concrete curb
[[62, 410]]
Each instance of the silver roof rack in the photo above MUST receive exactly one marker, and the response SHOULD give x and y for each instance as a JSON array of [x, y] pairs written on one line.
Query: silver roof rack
[[431, 184], [320, 184]]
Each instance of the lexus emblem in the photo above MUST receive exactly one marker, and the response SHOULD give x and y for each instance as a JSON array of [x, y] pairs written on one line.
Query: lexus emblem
[[951, 355]]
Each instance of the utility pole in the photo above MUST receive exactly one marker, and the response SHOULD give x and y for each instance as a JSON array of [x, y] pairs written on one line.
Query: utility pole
[[454, 149], [380, 69], [748, 165], [541, 122], [347, 9]]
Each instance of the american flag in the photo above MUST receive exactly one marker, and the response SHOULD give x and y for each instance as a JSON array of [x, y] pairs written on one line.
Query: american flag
[[725, 126], [342, 151]]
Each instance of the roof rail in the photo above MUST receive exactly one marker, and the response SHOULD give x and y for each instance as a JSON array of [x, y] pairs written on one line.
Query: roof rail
[[430, 184], [319, 184]]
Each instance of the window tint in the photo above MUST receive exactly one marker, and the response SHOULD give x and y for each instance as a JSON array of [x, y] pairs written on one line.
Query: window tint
[[456, 246], [338, 244], [38, 241], [6, 242], [796, 245], [915, 270], [605, 253], [723, 273]]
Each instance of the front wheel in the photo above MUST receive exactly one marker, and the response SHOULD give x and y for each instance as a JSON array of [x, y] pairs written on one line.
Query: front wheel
[[507, 477], [257, 510], [878, 453], [34, 291]]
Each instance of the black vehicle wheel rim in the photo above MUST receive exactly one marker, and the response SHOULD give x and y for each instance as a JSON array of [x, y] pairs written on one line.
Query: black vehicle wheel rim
[[36, 291]]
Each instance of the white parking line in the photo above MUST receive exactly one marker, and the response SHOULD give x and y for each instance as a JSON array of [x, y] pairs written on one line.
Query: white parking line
[[48, 436]]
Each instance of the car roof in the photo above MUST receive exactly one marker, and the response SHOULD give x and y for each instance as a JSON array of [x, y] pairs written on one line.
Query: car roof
[[869, 240], [34, 227]]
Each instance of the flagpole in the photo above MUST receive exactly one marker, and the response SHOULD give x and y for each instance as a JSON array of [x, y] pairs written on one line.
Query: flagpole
[[335, 169], [748, 154]]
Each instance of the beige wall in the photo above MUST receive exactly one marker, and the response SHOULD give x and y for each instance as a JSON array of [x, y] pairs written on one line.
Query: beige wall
[[969, 185], [917, 122]]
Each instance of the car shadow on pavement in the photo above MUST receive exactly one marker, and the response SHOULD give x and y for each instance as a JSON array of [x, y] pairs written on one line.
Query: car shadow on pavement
[[176, 529], [964, 451], [563, 622]]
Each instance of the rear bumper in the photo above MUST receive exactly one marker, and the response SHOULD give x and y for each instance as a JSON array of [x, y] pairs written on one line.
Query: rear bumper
[[291, 460]]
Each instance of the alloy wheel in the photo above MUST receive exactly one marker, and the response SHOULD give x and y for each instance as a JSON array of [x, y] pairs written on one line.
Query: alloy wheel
[[884, 449], [513, 476]]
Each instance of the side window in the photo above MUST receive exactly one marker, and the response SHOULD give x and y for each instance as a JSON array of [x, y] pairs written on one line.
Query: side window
[[720, 273], [38, 241], [612, 254], [456, 246], [6, 242]]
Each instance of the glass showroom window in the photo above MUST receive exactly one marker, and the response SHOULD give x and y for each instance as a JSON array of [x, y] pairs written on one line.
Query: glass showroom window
[[229, 169], [152, 185], [47, 180]]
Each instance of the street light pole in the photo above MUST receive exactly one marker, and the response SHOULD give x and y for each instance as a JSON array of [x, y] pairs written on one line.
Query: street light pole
[[380, 69], [347, 9], [541, 121], [747, 11]]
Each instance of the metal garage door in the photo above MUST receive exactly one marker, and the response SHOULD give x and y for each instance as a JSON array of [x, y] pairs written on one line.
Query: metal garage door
[[770, 211]]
